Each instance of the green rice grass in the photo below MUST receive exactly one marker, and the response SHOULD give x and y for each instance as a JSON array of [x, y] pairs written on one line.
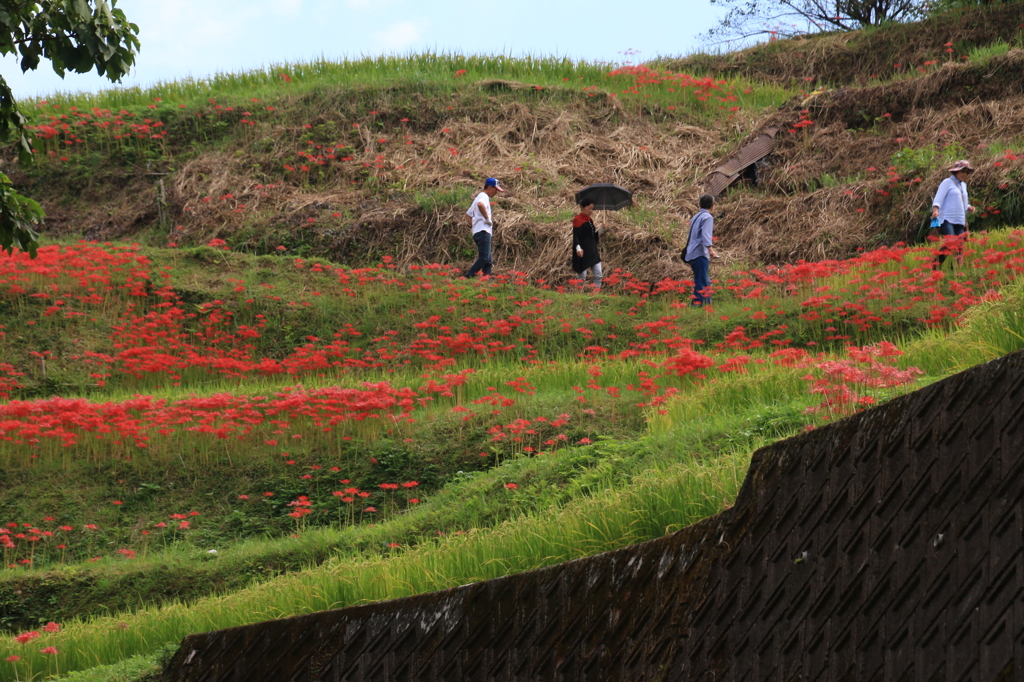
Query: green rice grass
[[427, 75]]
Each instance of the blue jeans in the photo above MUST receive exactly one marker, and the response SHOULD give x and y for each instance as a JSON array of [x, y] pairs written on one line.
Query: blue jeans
[[701, 281], [948, 229], [483, 250], [597, 270]]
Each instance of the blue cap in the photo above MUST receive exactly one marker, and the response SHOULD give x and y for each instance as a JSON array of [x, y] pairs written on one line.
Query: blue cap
[[493, 182]]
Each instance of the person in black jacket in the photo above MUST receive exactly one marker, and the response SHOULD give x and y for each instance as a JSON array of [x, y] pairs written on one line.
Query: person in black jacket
[[585, 236]]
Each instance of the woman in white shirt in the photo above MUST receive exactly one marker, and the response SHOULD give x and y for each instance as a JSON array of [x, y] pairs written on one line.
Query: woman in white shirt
[[951, 207]]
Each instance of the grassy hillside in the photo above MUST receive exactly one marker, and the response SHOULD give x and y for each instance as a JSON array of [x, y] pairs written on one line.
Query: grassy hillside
[[284, 398], [489, 424], [357, 160], [877, 53], [380, 157]]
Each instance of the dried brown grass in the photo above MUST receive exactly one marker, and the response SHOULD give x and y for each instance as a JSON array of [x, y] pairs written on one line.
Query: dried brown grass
[[542, 155], [951, 85], [792, 216]]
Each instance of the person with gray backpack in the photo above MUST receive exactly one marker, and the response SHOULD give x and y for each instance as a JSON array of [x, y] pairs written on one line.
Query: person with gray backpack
[[699, 251]]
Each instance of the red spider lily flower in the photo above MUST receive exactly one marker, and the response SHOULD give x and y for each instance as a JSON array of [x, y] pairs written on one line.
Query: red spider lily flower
[[393, 544], [49, 650], [118, 502], [511, 486], [26, 637], [369, 510], [51, 627], [160, 525], [243, 497], [13, 659]]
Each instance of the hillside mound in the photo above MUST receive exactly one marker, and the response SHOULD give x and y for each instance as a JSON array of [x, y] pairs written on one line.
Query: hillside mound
[[860, 57], [359, 160]]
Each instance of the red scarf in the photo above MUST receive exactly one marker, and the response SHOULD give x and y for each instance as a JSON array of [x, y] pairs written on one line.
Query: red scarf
[[581, 219]]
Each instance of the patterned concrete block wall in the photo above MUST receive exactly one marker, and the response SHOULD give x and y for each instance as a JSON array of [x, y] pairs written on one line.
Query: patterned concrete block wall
[[887, 546]]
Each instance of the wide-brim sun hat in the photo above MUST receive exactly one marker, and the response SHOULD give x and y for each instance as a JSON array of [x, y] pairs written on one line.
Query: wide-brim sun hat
[[961, 165]]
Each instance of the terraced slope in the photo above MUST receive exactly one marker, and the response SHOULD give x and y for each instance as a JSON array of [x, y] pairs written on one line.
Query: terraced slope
[[293, 403]]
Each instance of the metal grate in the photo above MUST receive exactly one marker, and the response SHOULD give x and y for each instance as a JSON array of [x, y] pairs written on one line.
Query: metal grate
[[755, 150]]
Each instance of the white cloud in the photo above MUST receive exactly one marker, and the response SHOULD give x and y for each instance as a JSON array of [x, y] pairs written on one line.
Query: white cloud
[[399, 36]]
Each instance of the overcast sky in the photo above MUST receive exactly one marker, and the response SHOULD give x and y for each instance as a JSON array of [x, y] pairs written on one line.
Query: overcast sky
[[202, 37]]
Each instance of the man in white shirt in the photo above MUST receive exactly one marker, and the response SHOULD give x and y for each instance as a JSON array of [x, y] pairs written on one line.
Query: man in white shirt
[[950, 207], [481, 220]]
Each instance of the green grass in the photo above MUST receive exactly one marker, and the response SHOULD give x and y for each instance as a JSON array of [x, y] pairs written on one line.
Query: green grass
[[667, 498], [983, 54], [188, 471], [636, 491], [145, 668], [425, 74]]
